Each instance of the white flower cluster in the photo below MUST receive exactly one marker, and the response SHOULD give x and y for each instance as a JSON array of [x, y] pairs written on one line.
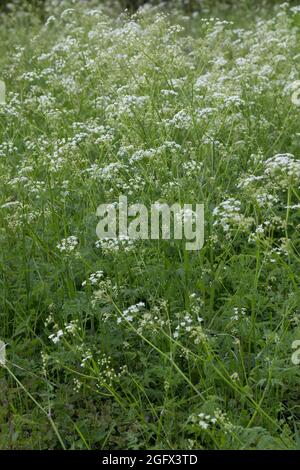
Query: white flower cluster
[[107, 173], [129, 313], [126, 105], [7, 148], [70, 328], [279, 251], [67, 245], [141, 154], [94, 278], [206, 421], [98, 133], [266, 200], [181, 120], [107, 375], [282, 167], [56, 337], [191, 168], [203, 420], [238, 313], [228, 215], [87, 356], [186, 325], [113, 245], [266, 228]]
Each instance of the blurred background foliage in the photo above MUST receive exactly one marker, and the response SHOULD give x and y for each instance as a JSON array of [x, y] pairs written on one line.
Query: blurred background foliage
[[133, 5]]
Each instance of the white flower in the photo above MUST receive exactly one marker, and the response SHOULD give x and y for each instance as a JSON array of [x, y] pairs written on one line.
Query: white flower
[[94, 278], [67, 245], [56, 337], [203, 424], [113, 245], [128, 313], [72, 327]]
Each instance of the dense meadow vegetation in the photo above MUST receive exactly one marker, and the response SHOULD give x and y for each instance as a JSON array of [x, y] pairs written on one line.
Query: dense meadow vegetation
[[122, 344]]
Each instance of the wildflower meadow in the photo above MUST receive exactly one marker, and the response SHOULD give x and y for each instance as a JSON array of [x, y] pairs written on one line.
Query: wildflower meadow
[[179, 335]]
